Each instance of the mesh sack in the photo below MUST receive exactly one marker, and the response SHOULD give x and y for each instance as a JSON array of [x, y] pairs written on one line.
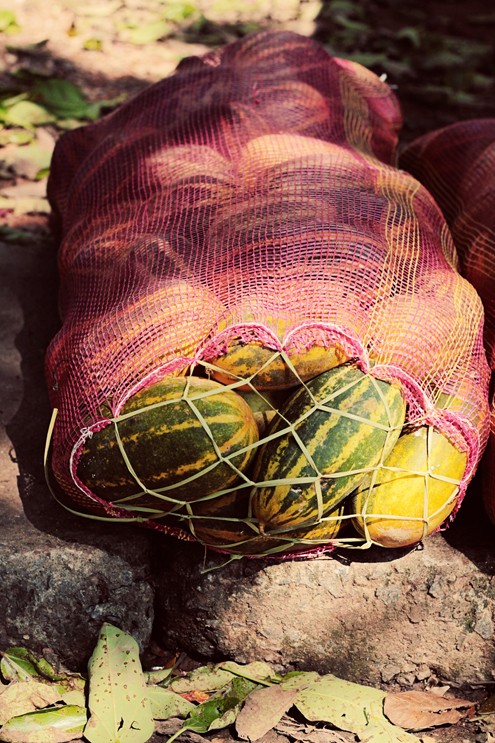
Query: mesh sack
[[457, 165], [251, 202]]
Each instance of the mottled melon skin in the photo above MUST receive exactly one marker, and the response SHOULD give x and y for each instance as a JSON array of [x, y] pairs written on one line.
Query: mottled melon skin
[[242, 360], [357, 418], [222, 523], [168, 443], [410, 501]]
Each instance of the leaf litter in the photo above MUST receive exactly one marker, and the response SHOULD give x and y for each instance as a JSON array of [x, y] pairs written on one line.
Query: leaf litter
[[417, 710], [118, 702]]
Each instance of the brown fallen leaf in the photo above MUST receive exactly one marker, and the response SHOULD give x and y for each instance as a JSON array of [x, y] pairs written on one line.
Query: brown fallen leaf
[[310, 733], [273, 737], [417, 710], [488, 706], [262, 710], [25, 188]]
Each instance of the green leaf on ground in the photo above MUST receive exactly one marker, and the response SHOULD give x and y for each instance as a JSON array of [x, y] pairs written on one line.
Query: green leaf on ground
[[120, 711], [412, 34], [220, 711], [178, 11], [159, 676], [18, 236], [8, 22], [204, 678], [93, 45], [351, 707], [217, 677], [299, 679], [55, 725], [166, 703], [146, 33], [15, 136], [257, 671], [17, 663], [24, 113], [65, 100]]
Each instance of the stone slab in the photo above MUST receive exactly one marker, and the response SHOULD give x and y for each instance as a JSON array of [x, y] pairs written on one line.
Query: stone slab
[[60, 576], [375, 616]]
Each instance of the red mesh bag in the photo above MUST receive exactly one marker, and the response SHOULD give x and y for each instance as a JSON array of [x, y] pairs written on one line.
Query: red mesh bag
[[457, 165], [251, 204]]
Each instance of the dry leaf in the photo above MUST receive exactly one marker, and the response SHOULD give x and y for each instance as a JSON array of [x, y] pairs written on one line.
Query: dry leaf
[[273, 737], [488, 706], [439, 691], [417, 710], [312, 734], [26, 696], [262, 710], [194, 696], [25, 197], [24, 189]]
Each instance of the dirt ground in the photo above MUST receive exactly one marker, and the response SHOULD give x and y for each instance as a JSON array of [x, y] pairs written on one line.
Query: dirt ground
[[439, 59]]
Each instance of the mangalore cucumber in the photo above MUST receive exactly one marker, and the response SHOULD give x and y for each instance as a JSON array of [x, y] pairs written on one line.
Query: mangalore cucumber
[[223, 522], [413, 492], [164, 438], [342, 423], [243, 360]]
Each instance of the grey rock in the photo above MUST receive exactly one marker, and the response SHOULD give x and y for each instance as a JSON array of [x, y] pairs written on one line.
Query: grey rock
[[56, 593]]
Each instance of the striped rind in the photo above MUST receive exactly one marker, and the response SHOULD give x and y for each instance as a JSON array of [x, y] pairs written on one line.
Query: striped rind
[[346, 422], [223, 524], [168, 443], [243, 360]]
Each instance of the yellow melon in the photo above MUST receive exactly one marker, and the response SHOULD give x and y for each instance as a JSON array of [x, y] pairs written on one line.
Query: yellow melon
[[413, 492]]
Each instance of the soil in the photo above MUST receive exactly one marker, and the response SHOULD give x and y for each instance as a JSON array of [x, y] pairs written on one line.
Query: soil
[[437, 56]]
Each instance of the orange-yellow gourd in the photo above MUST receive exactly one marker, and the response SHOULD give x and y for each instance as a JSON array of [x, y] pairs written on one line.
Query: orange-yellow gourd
[[413, 492]]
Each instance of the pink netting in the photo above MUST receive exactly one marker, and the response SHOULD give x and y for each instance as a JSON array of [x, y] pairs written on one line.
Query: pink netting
[[457, 165], [258, 182]]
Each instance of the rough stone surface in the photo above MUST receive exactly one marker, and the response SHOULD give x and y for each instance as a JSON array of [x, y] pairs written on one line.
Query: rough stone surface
[[61, 576], [57, 594], [383, 616]]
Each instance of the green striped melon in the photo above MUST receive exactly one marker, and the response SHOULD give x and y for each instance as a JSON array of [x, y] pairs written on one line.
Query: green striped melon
[[162, 432], [342, 423], [243, 360], [223, 522]]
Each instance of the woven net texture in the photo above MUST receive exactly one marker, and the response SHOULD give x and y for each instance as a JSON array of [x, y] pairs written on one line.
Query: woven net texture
[[254, 197], [457, 165]]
